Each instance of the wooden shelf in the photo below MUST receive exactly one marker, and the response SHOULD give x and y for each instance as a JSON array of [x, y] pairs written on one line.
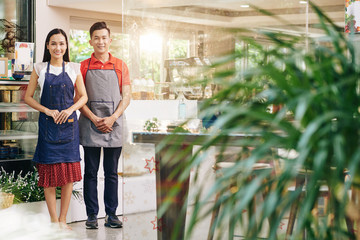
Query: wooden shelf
[[8, 81], [19, 157], [16, 135], [15, 107]]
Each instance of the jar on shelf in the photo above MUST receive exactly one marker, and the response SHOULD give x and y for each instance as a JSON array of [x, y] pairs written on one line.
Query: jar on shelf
[[150, 89], [135, 89], [143, 89], [165, 91]]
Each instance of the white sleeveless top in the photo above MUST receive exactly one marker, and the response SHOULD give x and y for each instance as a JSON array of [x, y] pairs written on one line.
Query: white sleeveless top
[[71, 68]]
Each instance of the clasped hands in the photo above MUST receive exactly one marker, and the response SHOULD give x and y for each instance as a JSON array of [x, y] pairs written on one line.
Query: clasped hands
[[59, 117], [102, 124], [105, 124]]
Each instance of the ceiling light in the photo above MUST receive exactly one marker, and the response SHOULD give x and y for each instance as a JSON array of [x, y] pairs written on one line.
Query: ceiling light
[[303, 2], [244, 6]]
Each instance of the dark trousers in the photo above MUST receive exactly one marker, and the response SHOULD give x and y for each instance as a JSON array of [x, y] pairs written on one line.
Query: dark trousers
[[110, 165]]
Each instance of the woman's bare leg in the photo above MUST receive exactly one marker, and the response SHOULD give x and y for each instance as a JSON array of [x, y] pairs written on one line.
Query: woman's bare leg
[[50, 198], [66, 192]]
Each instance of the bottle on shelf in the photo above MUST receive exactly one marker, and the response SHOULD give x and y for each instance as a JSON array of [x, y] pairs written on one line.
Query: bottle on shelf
[[207, 91], [182, 106]]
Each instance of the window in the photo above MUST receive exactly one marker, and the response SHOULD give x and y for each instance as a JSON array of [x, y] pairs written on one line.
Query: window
[[150, 55], [80, 48], [178, 48], [143, 51], [16, 24]]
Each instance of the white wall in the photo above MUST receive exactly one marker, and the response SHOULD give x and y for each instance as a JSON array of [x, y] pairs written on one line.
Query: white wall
[[48, 18]]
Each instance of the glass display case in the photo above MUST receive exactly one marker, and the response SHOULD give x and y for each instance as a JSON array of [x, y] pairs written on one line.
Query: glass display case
[[18, 127]]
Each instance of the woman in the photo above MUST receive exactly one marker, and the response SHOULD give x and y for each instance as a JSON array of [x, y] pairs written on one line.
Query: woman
[[57, 154]]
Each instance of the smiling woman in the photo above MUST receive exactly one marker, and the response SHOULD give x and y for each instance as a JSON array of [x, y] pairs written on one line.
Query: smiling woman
[[57, 155]]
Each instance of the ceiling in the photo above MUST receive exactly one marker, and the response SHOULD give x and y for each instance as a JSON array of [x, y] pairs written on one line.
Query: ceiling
[[219, 13]]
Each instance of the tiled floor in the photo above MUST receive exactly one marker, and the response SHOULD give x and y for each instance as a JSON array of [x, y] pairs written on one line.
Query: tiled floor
[[17, 224], [141, 227], [136, 227]]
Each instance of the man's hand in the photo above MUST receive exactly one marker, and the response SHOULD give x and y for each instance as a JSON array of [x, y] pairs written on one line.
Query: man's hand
[[97, 122], [105, 124]]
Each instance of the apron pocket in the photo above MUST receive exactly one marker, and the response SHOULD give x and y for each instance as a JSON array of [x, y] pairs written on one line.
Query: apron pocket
[[59, 133], [57, 94], [101, 109]]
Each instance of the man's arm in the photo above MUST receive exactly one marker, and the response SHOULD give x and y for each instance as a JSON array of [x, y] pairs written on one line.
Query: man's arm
[[124, 103], [105, 125]]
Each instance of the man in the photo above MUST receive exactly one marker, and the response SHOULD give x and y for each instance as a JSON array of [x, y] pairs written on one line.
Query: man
[[107, 84]]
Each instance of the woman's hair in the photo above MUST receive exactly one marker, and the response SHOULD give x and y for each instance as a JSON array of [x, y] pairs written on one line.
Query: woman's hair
[[47, 55], [98, 26]]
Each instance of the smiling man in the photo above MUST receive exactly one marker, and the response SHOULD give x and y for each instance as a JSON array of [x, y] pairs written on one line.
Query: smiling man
[[107, 84]]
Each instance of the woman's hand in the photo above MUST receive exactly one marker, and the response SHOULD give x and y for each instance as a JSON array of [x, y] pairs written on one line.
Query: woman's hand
[[51, 113], [63, 116]]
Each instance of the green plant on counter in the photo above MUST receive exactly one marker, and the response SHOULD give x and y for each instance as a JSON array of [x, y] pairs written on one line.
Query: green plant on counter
[[180, 129], [25, 187], [319, 89], [152, 125]]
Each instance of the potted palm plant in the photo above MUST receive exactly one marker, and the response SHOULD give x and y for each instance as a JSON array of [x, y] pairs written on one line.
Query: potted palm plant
[[318, 90]]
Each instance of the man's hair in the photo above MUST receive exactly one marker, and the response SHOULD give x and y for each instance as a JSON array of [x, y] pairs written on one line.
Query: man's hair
[[98, 26]]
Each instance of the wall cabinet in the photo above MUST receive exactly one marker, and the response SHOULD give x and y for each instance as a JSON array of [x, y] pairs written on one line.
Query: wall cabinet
[[18, 127]]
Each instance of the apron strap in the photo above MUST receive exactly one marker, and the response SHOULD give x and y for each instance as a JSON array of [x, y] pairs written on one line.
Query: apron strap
[[63, 66], [48, 67], [87, 71], [117, 78]]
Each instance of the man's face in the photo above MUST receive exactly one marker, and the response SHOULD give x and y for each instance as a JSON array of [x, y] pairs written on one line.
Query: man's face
[[100, 41]]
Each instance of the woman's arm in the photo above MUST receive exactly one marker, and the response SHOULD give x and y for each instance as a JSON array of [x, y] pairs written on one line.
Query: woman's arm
[[80, 100], [29, 97]]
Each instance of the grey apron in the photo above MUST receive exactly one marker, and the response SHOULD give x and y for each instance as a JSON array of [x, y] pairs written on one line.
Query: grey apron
[[102, 87]]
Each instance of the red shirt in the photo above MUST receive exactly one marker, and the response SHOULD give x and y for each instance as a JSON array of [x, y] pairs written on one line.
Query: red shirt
[[121, 69]]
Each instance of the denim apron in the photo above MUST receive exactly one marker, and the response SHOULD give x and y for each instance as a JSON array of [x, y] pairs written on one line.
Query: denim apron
[[57, 143], [103, 90]]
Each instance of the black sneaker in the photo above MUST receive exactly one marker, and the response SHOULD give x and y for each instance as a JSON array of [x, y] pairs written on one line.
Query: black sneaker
[[112, 221], [91, 222]]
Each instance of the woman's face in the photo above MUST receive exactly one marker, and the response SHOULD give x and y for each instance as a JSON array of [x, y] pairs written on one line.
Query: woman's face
[[57, 46]]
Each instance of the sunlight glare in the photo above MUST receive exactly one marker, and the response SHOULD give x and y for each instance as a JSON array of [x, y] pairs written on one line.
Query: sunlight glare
[[151, 42]]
